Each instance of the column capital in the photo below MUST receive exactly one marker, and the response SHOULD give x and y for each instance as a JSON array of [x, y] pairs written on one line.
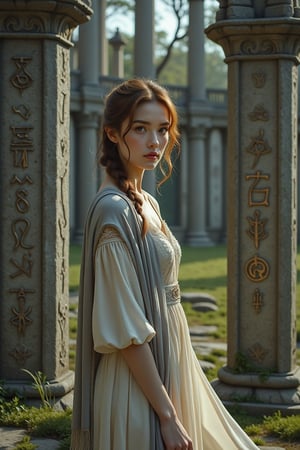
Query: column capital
[[51, 19], [270, 8], [252, 39]]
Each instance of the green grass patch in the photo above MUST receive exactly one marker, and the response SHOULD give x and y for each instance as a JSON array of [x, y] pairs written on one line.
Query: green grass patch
[[74, 268]]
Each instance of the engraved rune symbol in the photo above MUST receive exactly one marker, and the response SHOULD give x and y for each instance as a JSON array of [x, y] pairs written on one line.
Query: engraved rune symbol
[[15, 179], [20, 229], [259, 113], [22, 204], [256, 230], [257, 300], [21, 79], [258, 196], [23, 268], [257, 353], [62, 320], [259, 79], [22, 111], [21, 317], [258, 147], [257, 269], [21, 353], [21, 144]]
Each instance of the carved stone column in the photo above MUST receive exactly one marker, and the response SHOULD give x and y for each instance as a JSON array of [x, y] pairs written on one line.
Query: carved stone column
[[262, 53], [34, 169], [196, 234], [87, 121], [197, 182], [144, 39], [144, 59]]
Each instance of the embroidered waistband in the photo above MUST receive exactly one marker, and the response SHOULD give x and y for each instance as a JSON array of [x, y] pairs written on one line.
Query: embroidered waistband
[[173, 294]]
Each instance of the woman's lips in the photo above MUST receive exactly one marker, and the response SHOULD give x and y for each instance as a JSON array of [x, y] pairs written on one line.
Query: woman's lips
[[152, 155]]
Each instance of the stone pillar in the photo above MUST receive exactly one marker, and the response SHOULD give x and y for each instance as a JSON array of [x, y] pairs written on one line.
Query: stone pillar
[[117, 43], [87, 121], [262, 57], [196, 56], [197, 186], [144, 59], [216, 195], [34, 170], [144, 39], [88, 177], [103, 50]]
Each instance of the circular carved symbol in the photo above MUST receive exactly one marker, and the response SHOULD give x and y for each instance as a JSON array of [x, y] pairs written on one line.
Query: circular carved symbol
[[257, 269]]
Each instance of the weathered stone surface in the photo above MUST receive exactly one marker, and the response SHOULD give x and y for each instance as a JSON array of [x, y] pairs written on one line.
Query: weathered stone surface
[[262, 192], [34, 140]]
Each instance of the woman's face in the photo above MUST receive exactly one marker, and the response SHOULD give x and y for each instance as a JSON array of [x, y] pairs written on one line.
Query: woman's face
[[145, 142]]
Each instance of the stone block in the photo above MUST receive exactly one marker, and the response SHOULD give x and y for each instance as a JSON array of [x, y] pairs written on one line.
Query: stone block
[[198, 297], [204, 307], [279, 11], [240, 12]]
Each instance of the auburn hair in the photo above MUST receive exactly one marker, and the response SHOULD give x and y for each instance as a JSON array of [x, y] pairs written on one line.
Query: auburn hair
[[120, 105]]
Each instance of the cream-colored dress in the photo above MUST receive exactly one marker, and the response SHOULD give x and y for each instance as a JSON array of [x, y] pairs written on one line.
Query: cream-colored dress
[[121, 412]]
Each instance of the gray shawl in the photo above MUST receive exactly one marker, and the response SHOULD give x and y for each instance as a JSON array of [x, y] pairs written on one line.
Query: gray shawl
[[112, 207]]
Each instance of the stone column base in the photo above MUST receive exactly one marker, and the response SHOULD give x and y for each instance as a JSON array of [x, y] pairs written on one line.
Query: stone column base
[[59, 391], [277, 392]]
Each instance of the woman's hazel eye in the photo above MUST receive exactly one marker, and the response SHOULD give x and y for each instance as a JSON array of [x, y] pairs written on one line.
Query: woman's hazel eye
[[140, 129]]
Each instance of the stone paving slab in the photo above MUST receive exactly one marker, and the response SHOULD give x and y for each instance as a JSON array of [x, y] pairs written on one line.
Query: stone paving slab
[[10, 437]]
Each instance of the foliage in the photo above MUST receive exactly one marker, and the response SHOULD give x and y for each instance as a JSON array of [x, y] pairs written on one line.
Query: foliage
[[287, 428], [275, 428], [9, 404], [42, 422], [25, 444], [244, 365], [41, 384], [119, 7]]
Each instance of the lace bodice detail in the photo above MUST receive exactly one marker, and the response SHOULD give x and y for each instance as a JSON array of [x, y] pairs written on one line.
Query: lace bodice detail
[[169, 253]]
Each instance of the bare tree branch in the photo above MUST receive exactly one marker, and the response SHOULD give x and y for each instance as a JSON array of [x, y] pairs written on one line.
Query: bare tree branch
[[180, 9]]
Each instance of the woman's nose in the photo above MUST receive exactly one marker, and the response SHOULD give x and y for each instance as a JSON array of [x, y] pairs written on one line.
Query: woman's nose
[[153, 140]]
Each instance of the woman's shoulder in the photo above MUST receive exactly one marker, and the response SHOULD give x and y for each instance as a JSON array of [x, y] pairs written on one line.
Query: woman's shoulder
[[111, 206], [113, 197]]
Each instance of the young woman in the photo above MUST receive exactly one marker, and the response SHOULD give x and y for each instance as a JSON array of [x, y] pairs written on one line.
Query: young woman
[[139, 385]]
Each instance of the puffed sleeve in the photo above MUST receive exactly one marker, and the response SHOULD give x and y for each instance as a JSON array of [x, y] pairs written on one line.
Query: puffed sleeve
[[118, 314]]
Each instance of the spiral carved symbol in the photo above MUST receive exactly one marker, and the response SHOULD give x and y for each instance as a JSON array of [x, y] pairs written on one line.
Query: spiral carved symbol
[[21, 78], [257, 269]]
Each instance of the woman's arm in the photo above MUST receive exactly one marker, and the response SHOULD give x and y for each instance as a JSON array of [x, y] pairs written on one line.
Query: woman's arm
[[140, 360]]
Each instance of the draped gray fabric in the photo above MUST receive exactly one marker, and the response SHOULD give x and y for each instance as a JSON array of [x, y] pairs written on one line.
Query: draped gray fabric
[[113, 208]]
